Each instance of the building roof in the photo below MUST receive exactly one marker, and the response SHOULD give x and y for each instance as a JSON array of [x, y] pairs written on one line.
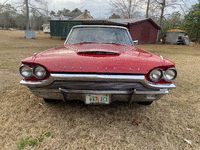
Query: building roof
[[73, 15], [126, 22], [120, 22], [132, 21]]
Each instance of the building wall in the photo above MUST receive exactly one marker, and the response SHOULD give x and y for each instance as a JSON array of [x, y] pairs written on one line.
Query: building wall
[[144, 32], [172, 37]]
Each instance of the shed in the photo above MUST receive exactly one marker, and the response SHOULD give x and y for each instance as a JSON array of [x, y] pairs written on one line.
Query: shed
[[61, 28], [144, 30], [172, 35]]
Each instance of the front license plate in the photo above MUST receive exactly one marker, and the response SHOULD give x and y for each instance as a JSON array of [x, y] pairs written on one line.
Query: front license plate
[[102, 99]]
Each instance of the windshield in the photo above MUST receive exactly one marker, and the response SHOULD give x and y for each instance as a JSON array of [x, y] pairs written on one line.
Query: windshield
[[99, 35]]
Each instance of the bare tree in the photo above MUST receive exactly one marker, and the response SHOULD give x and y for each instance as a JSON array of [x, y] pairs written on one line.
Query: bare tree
[[161, 6], [125, 8], [38, 5], [7, 15], [114, 16], [27, 14], [153, 10], [147, 11]]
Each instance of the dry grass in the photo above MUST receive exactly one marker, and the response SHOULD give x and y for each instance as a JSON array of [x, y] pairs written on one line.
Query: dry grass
[[26, 121]]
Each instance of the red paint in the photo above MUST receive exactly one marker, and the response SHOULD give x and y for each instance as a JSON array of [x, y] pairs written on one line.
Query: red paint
[[63, 59]]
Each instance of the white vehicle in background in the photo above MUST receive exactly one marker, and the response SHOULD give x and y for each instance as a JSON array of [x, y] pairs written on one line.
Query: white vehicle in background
[[46, 28]]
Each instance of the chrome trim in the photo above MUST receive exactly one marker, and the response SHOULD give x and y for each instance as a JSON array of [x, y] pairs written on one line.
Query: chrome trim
[[99, 26], [161, 91], [44, 90], [97, 77], [35, 54], [94, 91], [158, 86], [126, 96]]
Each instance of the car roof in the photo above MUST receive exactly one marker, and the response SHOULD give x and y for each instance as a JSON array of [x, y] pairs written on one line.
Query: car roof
[[99, 26]]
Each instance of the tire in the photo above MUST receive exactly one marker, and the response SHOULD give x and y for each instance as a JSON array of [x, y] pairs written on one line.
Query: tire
[[145, 103], [49, 100]]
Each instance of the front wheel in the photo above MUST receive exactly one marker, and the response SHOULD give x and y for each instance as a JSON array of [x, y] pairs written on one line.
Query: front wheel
[[145, 103]]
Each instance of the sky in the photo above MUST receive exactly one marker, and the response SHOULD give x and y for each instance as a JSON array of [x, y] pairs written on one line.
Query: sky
[[97, 8]]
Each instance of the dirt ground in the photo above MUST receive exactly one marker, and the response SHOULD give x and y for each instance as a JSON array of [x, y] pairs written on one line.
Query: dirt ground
[[26, 122]]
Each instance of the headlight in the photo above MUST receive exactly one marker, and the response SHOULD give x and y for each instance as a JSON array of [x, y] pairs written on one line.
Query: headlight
[[156, 75], [26, 71], [39, 72], [170, 74]]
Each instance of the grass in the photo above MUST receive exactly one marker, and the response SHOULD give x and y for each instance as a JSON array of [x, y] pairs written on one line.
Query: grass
[[167, 124], [25, 143], [30, 142]]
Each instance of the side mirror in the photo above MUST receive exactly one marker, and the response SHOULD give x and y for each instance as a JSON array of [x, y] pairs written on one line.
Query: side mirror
[[135, 42]]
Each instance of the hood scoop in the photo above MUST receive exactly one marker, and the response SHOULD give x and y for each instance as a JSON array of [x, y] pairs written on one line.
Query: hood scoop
[[99, 52]]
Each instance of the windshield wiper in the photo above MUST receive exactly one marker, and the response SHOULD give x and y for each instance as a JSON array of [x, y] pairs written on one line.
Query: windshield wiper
[[84, 42], [111, 43]]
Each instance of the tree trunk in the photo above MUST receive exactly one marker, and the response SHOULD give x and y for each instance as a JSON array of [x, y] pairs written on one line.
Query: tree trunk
[[147, 11], [161, 18], [162, 12], [129, 11], [27, 15]]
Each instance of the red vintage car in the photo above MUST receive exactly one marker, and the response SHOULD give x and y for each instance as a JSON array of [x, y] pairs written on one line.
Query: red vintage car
[[98, 65]]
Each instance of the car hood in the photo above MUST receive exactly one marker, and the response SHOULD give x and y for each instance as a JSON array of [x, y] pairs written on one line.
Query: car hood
[[101, 58]]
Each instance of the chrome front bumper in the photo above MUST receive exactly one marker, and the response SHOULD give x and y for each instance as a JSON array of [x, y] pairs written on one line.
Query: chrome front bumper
[[153, 92]]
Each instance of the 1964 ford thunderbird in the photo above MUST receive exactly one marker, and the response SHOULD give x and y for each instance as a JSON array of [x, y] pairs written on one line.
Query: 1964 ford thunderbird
[[98, 64]]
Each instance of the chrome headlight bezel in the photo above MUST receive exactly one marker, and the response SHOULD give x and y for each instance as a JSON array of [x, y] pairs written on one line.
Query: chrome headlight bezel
[[153, 72], [30, 70], [165, 74], [44, 72]]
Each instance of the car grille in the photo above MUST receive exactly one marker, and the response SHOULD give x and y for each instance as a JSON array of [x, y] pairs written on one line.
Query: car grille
[[94, 85]]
